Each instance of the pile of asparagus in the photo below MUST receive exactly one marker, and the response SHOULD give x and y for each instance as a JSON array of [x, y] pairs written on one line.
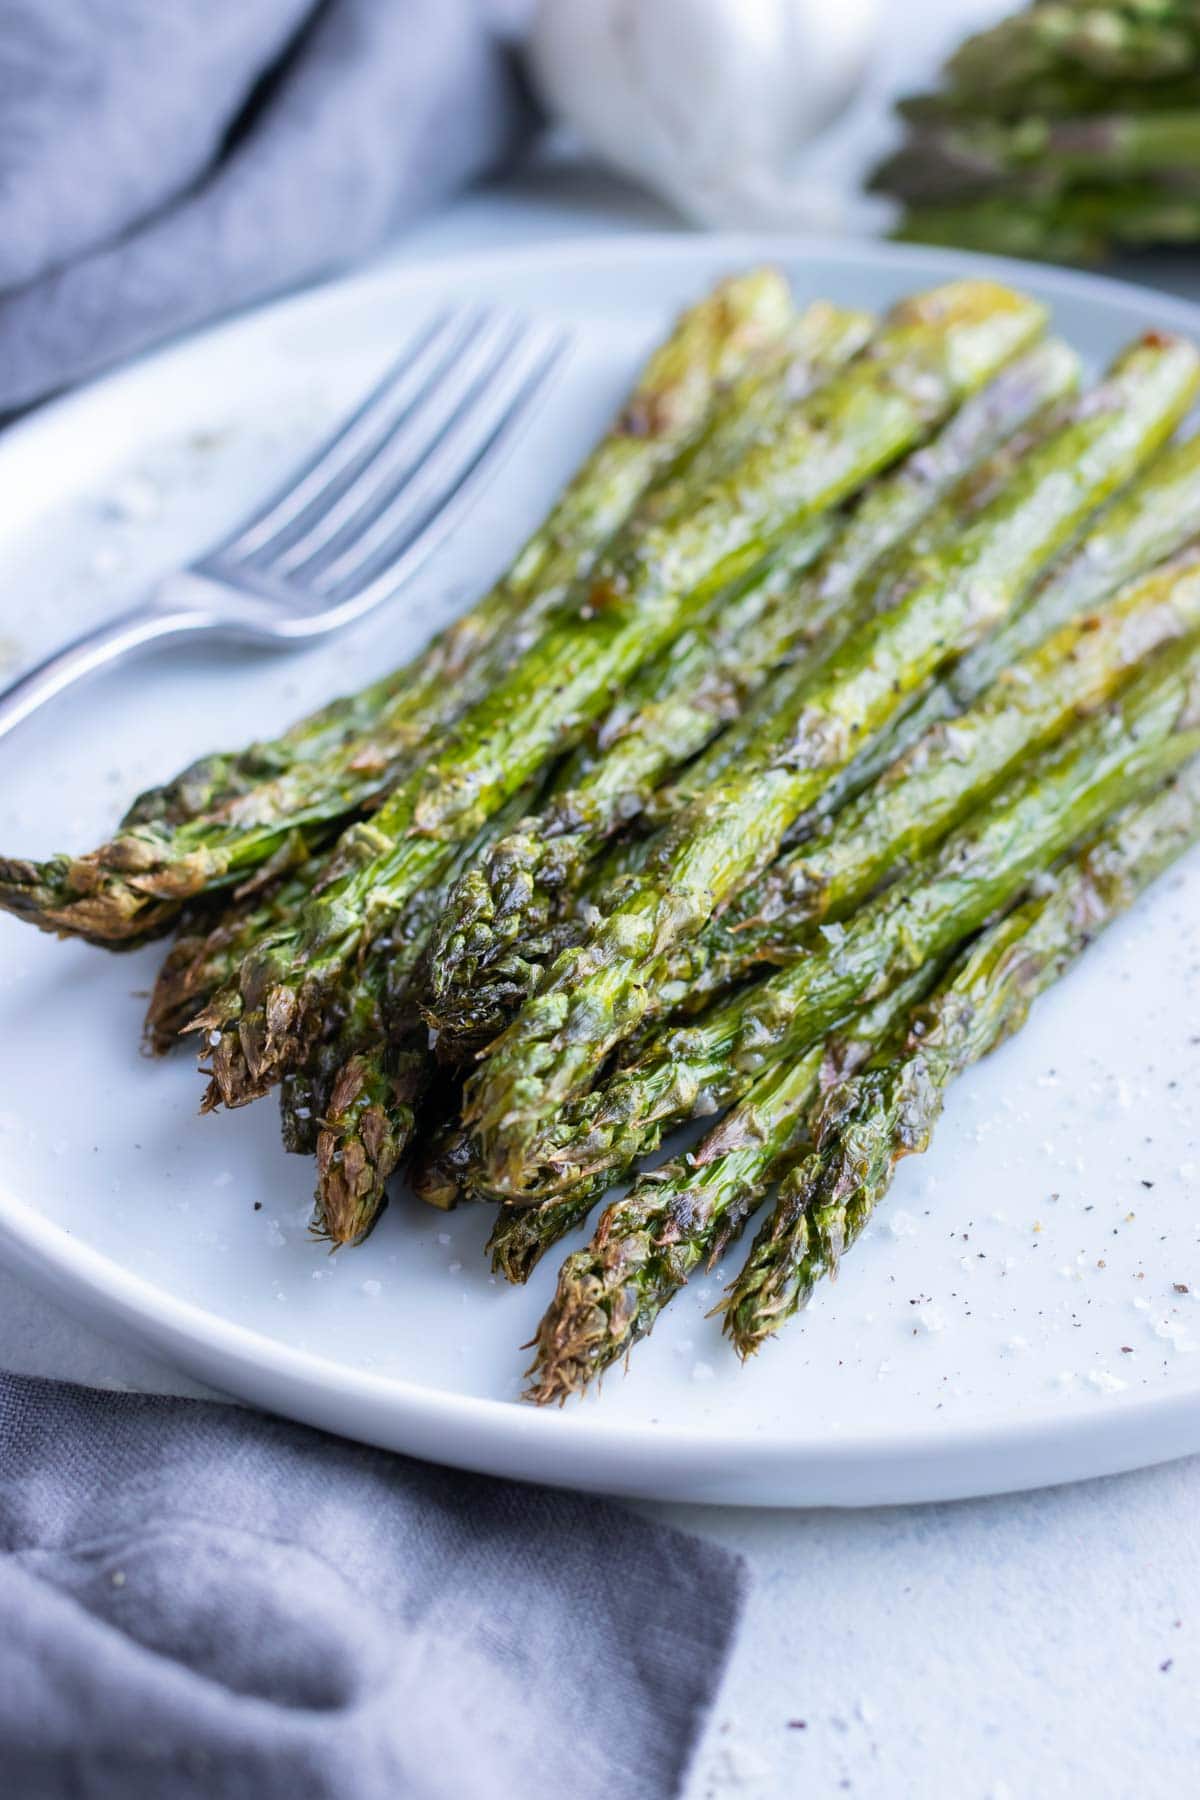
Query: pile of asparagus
[[848, 691], [1068, 132]]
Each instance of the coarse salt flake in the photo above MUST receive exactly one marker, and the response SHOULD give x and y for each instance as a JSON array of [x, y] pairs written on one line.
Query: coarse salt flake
[[1105, 1382]]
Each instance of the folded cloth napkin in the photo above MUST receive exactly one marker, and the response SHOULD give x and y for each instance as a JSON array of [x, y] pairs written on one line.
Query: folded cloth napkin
[[162, 161], [199, 1601]]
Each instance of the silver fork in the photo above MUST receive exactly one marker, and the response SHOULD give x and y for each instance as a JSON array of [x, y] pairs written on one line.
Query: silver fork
[[357, 520]]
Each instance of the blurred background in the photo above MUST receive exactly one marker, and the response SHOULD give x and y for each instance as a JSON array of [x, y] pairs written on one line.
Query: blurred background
[[162, 166], [1064, 130]]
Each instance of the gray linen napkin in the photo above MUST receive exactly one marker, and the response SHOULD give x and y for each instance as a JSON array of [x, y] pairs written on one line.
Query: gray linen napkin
[[198, 1601], [162, 161]]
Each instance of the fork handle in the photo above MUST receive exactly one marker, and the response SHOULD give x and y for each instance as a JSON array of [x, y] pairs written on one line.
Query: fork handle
[[109, 643]]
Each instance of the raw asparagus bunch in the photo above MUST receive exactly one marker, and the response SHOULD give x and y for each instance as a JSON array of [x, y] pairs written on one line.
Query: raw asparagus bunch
[[227, 815], [484, 954], [802, 732], [1086, 225], [868, 1121], [1042, 158], [686, 1215], [1128, 40], [1065, 132], [933, 351], [1062, 95]]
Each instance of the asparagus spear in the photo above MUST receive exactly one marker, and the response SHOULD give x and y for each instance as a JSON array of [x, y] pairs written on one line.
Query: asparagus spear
[[1150, 522], [502, 907], [870, 1120], [647, 1244], [1041, 157], [185, 836], [797, 737], [1148, 730], [933, 350], [898, 574], [368, 1122], [1109, 41], [209, 951], [948, 771], [1083, 226], [1054, 96], [376, 1066]]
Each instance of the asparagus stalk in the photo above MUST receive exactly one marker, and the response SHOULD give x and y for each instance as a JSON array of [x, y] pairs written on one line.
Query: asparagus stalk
[[868, 1121], [800, 734], [673, 1219], [948, 771], [1060, 95], [1040, 156], [208, 953], [376, 1067], [933, 350], [226, 814], [1153, 520], [1146, 732], [1113, 42], [1083, 226], [447, 1170], [502, 908], [898, 573], [368, 1124]]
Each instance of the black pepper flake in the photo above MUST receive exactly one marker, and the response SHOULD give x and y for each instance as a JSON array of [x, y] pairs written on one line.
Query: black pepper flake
[[1147, 1184], [258, 1206], [1181, 1287], [797, 1724]]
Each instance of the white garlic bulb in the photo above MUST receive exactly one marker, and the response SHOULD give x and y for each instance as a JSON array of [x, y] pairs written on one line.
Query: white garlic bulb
[[705, 101]]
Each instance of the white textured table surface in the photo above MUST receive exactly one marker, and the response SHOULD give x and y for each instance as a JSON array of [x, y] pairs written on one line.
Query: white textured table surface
[[1045, 1645]]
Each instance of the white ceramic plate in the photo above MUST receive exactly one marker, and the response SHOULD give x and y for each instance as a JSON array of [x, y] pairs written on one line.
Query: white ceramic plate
[[1015, 1316]]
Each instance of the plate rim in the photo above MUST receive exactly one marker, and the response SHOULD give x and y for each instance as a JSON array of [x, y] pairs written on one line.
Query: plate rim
[[1011, 1451]]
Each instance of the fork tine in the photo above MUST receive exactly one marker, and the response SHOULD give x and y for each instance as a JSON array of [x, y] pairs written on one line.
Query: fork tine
[[335, 455], [335, 521], [423, 513]]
